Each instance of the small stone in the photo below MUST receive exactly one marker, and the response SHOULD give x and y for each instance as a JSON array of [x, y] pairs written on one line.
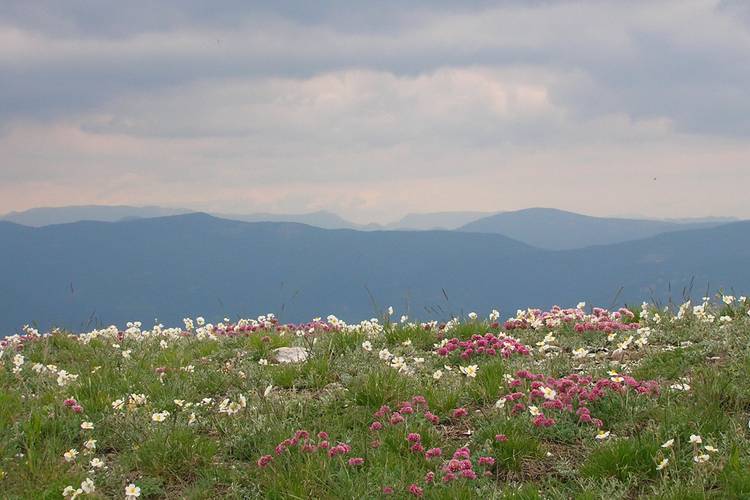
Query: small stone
[[291, 354]]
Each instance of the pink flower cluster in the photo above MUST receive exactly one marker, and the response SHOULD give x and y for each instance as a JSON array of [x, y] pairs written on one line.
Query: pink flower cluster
[[418, 405], [73, 405], [570, 394], [459, 466], [599, 320], [488, 345], [302, 441], [462, 466]]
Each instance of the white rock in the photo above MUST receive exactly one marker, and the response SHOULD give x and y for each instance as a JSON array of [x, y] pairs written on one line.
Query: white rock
[[291, 354]]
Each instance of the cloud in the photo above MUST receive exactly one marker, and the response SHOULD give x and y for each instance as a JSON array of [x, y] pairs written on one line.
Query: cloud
[[285, 106]]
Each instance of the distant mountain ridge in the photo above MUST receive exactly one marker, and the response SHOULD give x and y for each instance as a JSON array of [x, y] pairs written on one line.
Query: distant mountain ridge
[[541, 227], [81, 274], [45, 216], [555, 229]]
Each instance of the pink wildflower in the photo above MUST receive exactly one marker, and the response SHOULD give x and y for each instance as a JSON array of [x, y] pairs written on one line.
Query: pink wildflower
[[460, 412]]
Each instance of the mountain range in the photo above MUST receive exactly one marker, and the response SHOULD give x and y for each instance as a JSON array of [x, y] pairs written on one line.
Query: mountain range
[[560, 230], [82, 274], [541, 227]]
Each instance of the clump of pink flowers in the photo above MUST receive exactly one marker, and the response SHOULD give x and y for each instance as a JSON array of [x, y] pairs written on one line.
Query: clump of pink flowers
[[570, 394], [599, 320], [417, 406], [461, 466], [305, 444], [488, 344], [74, 406]]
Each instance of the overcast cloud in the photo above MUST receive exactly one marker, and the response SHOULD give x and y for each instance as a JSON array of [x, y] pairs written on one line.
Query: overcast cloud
[[374, 109]]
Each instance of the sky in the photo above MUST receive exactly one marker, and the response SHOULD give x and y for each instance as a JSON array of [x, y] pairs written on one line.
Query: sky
[[377, 109]]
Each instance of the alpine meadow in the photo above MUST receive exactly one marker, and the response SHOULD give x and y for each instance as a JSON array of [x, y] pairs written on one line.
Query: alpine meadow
[[375, 249]]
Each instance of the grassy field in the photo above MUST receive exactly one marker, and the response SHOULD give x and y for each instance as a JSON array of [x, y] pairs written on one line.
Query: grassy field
[[568, 403]]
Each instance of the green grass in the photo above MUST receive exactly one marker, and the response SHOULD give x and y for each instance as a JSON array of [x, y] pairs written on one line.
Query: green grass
[[201, 451]]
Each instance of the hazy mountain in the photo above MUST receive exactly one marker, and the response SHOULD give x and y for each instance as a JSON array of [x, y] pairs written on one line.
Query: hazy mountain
[[437, 220], [188, 265], [321, 219], [44, 216], [560, 230], [37, 217]]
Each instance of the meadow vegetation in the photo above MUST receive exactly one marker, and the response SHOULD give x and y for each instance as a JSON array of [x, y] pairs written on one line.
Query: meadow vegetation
[[568, 403]]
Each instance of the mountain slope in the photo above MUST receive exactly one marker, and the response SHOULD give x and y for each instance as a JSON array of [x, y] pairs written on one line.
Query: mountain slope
[[45, 216], [560, 230], [321, 219], [172, 267]]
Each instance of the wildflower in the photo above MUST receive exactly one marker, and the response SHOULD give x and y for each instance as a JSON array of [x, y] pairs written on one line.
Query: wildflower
[[87, 426], [602, 435], [406, 343], [700, 459], [460, 412], [489, 461], [367, 346], [549, 393], [501, 438], [267, 391], [695, 439], [96, 463], [494, 315], [132, 491], [668, 444], [662, 464], [535, 412], [117, 404], [126, 354], [390, 310], [356, 461], [385, 354], [710, 449], [88, 486], [580, 353], [265, 460], [90, 444], [70, 455], [469, 371], [472, 316], [263, 362], [416, 490], [387, 490], [500, 403], [396, 418], [18, 361], [160, 416], [437, 375], [69, 491]]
